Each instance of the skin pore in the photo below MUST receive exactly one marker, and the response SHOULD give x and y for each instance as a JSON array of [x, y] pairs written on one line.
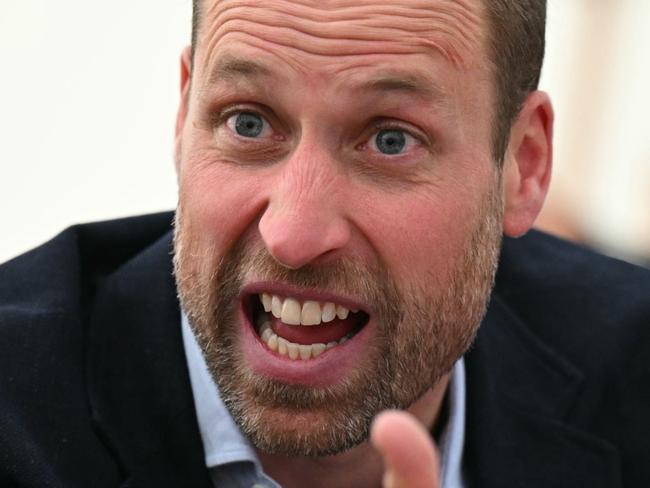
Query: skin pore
[[312, 202]]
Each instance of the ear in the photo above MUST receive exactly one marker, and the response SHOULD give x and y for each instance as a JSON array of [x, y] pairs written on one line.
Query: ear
[[186, 78], [527, 165]]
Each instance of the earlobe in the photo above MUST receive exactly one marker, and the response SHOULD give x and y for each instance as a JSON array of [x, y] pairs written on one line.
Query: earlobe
[[186, 77], [528, 163]]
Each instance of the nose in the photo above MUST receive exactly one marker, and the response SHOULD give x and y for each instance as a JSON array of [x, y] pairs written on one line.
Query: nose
[[305, 221]]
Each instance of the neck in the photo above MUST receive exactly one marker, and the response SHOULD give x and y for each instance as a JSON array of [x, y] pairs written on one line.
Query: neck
[[361, 466]]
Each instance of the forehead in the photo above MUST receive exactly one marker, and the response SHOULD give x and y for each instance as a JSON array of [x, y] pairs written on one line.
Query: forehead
[[333, 34]]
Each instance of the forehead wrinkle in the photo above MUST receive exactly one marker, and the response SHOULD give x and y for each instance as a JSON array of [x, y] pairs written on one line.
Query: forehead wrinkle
[[451, 27]]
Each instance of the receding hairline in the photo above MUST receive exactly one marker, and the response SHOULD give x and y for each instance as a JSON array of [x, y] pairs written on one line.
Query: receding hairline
[[450, 50]]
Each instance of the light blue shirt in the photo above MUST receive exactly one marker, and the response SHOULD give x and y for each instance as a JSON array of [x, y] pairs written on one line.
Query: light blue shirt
[[233, 462]]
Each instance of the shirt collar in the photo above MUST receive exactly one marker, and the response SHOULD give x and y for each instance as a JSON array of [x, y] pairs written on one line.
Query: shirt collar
[[452, 439], [224, 443]]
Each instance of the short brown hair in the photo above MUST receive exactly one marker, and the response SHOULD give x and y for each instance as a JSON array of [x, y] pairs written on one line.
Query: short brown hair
[[196, 14], [517, 39]]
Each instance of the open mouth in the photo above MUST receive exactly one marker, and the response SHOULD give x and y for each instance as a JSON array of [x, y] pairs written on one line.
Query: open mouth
[[302, 329]]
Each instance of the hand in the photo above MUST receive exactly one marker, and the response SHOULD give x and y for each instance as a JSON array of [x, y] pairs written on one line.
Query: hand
[[410, 458]]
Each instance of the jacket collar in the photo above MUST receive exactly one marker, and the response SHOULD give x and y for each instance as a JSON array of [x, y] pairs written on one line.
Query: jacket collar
[[137, 376], [520, 396]]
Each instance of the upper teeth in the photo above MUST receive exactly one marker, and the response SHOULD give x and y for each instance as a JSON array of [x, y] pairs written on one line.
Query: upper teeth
[[310, 312]]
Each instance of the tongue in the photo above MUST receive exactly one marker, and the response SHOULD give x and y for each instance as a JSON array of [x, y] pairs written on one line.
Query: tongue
[[314, 334]]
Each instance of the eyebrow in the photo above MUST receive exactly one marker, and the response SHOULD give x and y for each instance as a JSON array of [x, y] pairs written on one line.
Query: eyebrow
[[231, 68], [406, 84]]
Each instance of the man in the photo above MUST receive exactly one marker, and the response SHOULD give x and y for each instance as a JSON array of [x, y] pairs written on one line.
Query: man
[[346, 172]]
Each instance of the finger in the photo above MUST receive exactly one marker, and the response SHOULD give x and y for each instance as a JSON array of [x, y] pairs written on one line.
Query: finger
[[408, 451]]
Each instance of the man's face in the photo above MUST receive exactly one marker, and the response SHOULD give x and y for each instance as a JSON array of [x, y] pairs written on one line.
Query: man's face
[[335, 159]]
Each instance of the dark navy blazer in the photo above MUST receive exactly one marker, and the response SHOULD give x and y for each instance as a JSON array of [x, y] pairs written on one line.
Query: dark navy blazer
[[94, 388]]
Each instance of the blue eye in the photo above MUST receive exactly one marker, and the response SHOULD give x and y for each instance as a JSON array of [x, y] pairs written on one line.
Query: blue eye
[[247, 124], [390, 141]]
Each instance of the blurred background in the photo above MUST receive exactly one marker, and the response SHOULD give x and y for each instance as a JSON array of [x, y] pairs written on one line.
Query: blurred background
[[598, 73], [89, 89]]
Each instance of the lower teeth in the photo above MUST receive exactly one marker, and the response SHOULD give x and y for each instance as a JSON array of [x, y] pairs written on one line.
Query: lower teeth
[[295, 351]]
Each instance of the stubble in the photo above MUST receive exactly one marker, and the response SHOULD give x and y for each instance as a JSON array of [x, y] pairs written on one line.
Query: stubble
[[421, 330]]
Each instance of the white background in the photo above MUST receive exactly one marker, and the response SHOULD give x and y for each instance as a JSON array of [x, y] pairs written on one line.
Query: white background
[[88, 94]]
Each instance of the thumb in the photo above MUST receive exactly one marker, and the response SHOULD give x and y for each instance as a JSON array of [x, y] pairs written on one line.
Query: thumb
[[410, 458]]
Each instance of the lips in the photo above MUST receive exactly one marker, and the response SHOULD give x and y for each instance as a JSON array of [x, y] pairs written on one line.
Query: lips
[[313, 363], [301, 329]]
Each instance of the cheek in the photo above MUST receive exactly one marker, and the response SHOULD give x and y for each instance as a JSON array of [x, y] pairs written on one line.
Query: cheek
[[423, 236], [220, 203]]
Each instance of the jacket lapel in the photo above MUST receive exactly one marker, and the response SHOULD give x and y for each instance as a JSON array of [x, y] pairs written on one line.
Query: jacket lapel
[[520, 393], [137, 375]]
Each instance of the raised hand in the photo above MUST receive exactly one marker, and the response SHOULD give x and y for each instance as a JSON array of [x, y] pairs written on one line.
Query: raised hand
[[410, 458]]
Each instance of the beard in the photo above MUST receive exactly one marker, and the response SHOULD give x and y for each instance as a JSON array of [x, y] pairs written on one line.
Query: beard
[[421, 329]]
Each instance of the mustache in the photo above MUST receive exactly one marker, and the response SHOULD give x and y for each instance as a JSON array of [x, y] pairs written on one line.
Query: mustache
[[367, 282]]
